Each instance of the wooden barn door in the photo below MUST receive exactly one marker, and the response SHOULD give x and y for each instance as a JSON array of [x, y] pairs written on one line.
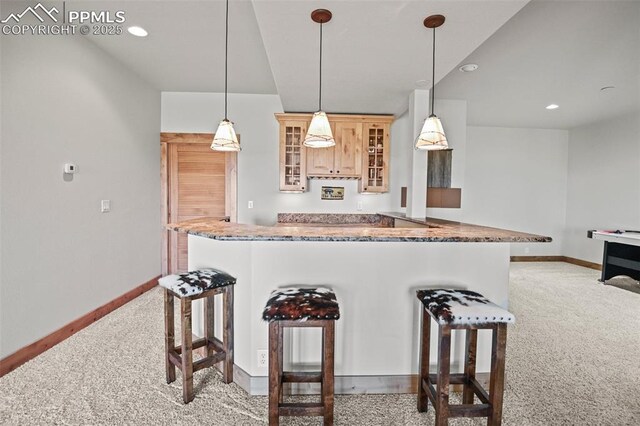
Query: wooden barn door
[[197, 182]]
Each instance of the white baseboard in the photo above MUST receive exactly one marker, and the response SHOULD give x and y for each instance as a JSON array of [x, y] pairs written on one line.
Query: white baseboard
[[344, 385]]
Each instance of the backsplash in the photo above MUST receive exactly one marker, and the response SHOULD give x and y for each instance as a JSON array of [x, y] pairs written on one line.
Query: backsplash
[[334, 218]]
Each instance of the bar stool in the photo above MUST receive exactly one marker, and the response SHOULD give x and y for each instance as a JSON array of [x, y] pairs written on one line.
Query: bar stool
[[470, 311], [190, 286], [301, 307]]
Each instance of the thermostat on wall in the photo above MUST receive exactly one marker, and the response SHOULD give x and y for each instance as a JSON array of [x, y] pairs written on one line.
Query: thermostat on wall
[[70, 168]]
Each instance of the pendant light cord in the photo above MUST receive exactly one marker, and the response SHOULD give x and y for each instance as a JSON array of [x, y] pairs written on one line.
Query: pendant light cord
[[320, 85], [433, 69], [226, 54]]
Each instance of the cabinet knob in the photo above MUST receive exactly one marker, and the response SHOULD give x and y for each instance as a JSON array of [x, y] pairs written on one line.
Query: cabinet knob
[[365, 189], [337, 171], [330, 171]]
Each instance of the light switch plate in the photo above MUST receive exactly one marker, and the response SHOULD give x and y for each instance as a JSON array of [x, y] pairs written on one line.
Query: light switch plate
[[70, 168], [105, 206]]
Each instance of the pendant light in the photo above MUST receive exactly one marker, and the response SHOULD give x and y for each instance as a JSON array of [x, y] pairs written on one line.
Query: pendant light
[[319, 134], [225, 138], [432, 136]]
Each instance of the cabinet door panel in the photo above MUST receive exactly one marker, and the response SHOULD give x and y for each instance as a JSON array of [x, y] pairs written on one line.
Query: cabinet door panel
[[293, 175], [348, 155], [320, 161], [375, 157]]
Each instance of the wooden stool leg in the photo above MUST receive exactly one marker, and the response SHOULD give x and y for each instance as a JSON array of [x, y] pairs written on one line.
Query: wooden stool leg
[[322, 361], [186, 353], [227, 334], [169, 335], [496, 385], [442, 388], [281, 362], [275, 374], [423, 374], [328, 344], [209, 323], [470, 365]]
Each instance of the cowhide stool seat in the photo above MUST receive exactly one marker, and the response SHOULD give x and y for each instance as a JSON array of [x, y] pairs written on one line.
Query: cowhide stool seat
[[190, 286], [301, 307], [470, 311]]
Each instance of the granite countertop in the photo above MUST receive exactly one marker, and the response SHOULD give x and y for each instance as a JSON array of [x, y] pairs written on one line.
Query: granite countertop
[[435, 230]]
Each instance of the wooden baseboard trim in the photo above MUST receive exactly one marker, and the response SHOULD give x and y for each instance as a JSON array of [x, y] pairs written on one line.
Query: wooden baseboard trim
[[31, 351], [537, 258], [566, 259], [579, 262]]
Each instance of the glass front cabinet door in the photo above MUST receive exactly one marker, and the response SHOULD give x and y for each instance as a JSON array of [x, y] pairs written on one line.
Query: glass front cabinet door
[[375, 158], [293, 175]]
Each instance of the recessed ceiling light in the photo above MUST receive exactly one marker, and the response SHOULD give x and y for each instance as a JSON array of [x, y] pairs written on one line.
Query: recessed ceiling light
[[468, 67], [137, 31], [552, 106], [607, 88]]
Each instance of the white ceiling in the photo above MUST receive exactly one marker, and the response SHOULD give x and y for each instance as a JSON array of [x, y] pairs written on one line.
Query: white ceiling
[[558, 52], [375, 51], [184, 51]]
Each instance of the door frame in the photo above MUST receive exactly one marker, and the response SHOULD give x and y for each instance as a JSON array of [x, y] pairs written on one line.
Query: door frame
[[231, 184]]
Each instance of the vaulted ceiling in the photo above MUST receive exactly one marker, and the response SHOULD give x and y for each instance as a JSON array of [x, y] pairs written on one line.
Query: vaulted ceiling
[[562, 53], [376, 52]]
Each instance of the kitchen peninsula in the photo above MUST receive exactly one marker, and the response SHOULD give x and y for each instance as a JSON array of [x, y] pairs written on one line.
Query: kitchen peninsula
[[374, 263]]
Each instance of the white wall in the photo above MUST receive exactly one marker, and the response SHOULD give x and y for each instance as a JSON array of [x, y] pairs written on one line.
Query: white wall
[[258, 174], [417, 159], [604, 183], [66, 100], [517, 179]]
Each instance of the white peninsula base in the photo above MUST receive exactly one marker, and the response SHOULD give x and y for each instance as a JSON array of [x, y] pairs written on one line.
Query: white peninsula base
[[375, 282]]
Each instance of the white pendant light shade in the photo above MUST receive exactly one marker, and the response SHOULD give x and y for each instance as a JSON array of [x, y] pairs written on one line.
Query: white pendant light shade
[[319, 134], [432, 135], [225, 138]]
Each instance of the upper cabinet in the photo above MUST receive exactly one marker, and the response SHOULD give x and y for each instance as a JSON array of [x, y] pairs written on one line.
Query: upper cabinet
[[342, 160], [348, 149], [293, 163], [320, 160], [361, 152], [375, 158]]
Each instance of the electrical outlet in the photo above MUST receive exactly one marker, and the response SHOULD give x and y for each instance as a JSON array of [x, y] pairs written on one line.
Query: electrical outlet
[[263, 358], [359, 206], [105, 206]]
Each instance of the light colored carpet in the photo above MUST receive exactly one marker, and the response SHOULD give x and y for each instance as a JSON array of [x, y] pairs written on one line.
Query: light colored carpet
[[572, 359]]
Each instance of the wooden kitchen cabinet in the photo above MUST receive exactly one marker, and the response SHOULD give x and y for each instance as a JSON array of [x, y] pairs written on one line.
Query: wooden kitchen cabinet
[[343, 160], [293, 163], [348, 155], [348, 159], [320, 160], [375, 157]]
